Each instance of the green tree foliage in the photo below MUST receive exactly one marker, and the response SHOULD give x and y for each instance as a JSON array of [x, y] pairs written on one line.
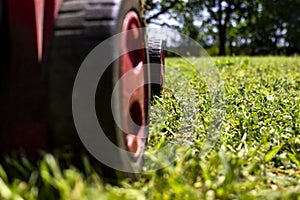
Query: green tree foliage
[[279, 22], [221, 14], [160, 7], [240, 26]]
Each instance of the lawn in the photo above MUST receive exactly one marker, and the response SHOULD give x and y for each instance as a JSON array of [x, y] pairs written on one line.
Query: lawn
[[225, 128]]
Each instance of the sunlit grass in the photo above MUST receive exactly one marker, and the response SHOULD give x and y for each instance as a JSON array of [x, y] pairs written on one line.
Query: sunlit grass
[[257, 154]]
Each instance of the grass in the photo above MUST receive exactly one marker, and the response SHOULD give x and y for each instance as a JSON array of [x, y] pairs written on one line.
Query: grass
[[255, 154]]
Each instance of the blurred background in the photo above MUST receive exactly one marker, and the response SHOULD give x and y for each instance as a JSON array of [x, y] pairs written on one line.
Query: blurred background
[[232, 27]]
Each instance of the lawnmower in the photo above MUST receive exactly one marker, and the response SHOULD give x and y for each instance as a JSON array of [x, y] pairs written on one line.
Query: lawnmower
[[43, 44]]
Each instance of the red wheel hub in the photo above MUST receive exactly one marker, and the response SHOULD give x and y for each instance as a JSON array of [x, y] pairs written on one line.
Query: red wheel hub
[[133, 62]]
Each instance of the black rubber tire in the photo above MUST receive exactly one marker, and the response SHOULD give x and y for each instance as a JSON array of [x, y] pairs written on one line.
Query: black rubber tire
[[1, 12], [156, 48], [76, 32], [80, 26]]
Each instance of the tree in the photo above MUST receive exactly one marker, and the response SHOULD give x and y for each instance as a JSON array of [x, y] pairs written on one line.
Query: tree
[[283, 20], [159, 7], [223, 14], [245, 26]]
